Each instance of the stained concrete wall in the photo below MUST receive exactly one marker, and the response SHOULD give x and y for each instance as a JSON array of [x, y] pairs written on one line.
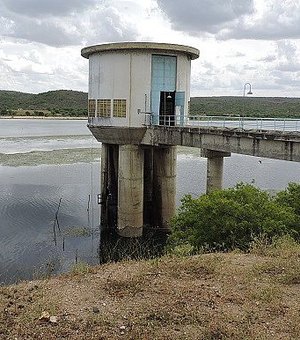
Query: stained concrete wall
[[164, 185], [127, 75], [277, 145], [123, 71], [215, 163], [131, 191]]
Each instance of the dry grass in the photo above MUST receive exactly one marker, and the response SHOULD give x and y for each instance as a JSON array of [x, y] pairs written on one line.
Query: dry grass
[[212, 296]]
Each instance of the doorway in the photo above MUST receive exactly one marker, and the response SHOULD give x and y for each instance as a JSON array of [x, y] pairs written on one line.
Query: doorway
[[167, 108]]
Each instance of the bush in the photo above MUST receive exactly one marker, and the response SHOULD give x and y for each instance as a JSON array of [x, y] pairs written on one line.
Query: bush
[[290, 197], [231, 218]]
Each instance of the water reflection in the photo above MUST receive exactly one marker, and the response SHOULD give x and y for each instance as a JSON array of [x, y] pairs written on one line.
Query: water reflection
[[28, 203]]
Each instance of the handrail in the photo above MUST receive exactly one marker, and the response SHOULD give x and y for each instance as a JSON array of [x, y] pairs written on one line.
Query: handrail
[[243, 123], [225, 122]]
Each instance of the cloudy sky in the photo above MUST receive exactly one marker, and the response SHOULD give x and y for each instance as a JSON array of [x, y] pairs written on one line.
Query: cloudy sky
[[240, 41]]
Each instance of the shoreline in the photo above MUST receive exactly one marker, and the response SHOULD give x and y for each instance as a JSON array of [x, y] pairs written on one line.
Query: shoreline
[[43, 117]]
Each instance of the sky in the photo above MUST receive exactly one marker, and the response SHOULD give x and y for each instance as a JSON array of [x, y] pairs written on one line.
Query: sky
[[240, 41]]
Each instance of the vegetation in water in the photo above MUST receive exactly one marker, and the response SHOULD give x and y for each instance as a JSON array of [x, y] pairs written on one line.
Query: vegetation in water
[[63, 156], [233, 218]]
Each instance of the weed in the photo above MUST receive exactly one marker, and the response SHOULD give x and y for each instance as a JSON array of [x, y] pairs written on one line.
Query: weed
[[268, 294], [284, 246], [78, 232], [182, 250], [81, 268]]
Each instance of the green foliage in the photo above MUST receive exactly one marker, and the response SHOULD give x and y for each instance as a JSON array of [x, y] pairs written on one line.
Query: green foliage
[[290, 197], [231, 218], [56, 103], [246, 106], [74, 103]]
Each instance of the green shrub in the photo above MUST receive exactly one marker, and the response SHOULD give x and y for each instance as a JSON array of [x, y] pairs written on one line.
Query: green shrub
[[231, 218], [290, 197]]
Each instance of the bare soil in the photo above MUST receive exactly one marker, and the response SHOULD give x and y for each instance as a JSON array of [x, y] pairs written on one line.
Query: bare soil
[[212, 296]]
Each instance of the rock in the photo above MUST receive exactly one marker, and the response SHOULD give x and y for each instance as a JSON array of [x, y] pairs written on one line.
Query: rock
[[53, 319], [45, 316], [96, 310]]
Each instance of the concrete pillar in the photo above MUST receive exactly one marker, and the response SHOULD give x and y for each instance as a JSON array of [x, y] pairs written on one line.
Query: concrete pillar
[[148, 186], [104, 185], [130, 191], [164, 185], [112, 198], [109, 185], [215, 161]]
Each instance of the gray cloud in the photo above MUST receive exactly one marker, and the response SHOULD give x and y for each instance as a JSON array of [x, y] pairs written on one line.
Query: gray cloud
[[287, 57], [235, 19], [46, 8], [194, 16], [49, 33], [287, 80], [111, 28], [96, 24], [268, 59], [280, 20]]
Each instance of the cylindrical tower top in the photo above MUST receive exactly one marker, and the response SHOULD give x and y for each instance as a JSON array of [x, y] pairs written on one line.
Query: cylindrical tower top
[[132, 84], [192, 52]]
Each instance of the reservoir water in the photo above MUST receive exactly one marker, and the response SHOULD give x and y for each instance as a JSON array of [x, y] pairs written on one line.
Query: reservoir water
[[51, 168]]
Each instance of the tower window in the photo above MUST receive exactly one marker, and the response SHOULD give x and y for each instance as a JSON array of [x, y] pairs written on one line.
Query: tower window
[[119, 109], [92, 106], [103, 107]]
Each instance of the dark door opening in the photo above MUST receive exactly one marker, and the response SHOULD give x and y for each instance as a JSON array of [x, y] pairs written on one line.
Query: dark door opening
[[167, 108]]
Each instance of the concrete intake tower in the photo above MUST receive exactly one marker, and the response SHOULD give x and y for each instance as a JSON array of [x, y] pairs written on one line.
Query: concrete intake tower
[[132, 86]]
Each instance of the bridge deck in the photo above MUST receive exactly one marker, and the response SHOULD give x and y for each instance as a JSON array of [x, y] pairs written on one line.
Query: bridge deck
[[283, 143]]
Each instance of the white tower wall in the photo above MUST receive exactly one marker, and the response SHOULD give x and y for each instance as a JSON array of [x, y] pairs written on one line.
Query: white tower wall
[[124, 76]]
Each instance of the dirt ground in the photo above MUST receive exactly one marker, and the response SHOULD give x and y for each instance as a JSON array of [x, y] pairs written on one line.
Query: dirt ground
[[212, 296]]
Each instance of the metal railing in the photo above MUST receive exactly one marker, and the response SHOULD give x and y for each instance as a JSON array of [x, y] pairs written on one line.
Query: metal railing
[[225, 122], [242, 123]]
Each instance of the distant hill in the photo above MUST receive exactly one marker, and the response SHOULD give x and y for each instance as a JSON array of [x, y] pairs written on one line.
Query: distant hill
[[246, 106], [74, 103], [61, 102]]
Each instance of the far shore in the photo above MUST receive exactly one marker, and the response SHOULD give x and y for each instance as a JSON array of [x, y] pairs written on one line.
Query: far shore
[[44, 117]]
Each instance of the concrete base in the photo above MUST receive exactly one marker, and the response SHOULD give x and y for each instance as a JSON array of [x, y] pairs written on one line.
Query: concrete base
[[131, 200], [109, 185], [104, 184], [164, 185], [215, 161], [131, 191], [148, 186], [114, 247]]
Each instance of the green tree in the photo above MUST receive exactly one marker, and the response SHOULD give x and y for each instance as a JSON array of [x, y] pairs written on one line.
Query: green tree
[[290, 197], [231, 218]]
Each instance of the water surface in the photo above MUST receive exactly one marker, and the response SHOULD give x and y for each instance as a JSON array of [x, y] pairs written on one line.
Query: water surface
[[45, 161]]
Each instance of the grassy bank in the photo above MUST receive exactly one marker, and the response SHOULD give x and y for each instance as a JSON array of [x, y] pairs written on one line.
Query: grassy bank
[[210, 296]]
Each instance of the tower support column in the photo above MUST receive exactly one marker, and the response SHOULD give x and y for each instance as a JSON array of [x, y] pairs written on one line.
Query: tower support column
[[164, 185], [215, 162], [104, 185], [130, 191]]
